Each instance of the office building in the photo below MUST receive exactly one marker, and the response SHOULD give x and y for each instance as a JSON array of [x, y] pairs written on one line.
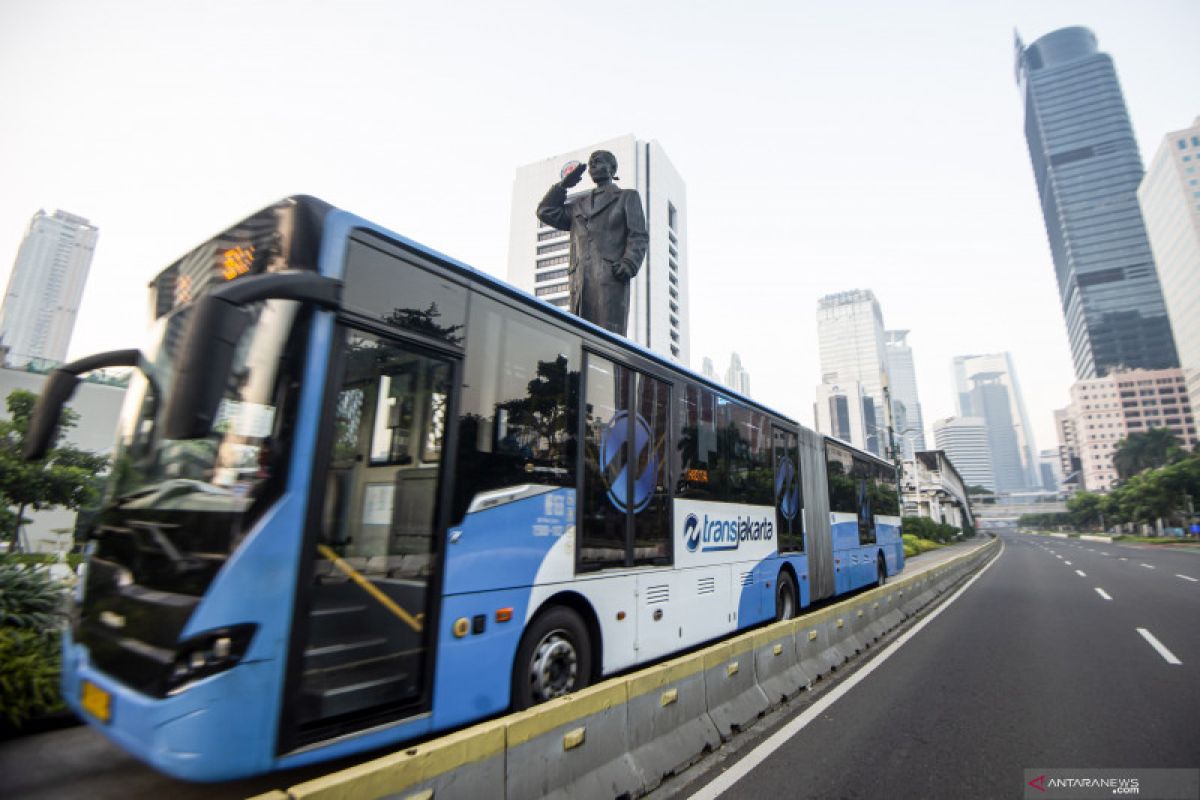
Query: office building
[[843, 411], [736, 377], [1170, 200], [538, 255], [979, 381], [850, 338], [45, 287], [1050, 464], [965, 441], [1103, 411], [709, 370], [906, 407], [1087, 168]]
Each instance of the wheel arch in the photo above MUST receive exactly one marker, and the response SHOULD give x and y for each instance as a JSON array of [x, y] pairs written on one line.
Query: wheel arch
[[580, 605]]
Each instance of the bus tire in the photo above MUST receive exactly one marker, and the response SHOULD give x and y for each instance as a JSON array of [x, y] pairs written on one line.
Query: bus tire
[[880, 571], [786, 597], [554, 658]]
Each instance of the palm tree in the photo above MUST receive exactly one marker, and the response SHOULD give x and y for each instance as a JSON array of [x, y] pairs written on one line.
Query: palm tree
[[1155, 448]]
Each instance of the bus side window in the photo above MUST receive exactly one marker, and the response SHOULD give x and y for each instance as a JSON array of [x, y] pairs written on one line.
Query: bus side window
[[520, 392]]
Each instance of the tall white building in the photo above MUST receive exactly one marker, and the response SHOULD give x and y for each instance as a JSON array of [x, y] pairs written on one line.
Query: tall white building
[[1170, 199], [843, 411], [977, 378], [965, 440], [45, 287], [736, 377], [709, 370], [852, 347], [910, 430], [658, 301]]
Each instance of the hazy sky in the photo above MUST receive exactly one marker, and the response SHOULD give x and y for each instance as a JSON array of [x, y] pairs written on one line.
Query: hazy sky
[[825, 145]]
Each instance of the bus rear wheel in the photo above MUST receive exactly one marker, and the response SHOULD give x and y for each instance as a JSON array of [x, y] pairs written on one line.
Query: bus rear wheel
[[554, 658], [786, 602]]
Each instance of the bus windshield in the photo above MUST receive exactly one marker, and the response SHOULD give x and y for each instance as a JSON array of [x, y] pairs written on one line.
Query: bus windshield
[[207, 489]]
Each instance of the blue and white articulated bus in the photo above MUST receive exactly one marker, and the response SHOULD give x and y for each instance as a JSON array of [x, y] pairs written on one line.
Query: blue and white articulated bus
[[362, 493]]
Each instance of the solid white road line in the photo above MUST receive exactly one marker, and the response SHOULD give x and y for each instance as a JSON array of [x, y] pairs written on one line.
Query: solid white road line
[[1157, 645], [1103, 593], [1148, 566], [1081, 573], [1187, 578], [751, 760]]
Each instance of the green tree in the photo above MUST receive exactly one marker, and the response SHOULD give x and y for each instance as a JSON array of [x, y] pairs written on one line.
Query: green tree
[[1155, 448], [67, 477]]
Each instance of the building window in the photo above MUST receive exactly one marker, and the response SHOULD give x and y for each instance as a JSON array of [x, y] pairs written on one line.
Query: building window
[[550, 262], [672, 217], [552, 275], [553, 288], [556, 247]]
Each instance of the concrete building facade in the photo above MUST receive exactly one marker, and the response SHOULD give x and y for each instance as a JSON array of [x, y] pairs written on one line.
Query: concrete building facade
[[906, 405], [1170, 199], [1103, 411], [45, 287], [538, 255], [980, 380], [965, 442], [850, 337]]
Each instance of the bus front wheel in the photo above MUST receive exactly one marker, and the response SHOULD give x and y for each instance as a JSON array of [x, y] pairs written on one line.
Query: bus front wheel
[[555, 658]]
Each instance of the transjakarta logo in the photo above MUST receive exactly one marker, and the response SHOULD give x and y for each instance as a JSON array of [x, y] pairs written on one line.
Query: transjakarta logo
[[708, 533]]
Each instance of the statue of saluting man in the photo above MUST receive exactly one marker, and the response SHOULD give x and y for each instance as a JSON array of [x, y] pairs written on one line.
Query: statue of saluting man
[[608, 240]]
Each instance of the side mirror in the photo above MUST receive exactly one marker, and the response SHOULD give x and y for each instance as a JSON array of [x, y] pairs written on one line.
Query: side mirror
[[58, 390], [217, 322], [206, 356]]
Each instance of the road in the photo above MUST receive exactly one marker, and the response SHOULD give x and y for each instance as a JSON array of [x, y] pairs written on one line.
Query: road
[[1062, 654]]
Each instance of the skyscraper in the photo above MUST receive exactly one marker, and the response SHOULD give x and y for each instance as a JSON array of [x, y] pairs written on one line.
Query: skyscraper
[[45, 287], [736, 377], [979, 380], [910, 431], [1087, 167], [965, 440], [1170, 200], [851, 341], [658, 301]]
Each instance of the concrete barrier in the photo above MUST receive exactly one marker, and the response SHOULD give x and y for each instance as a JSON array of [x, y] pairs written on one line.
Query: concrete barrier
[[734, 698], [574, 746], [1088, 537], [669, 725], [622, 737], [777, 667], [466, 764]]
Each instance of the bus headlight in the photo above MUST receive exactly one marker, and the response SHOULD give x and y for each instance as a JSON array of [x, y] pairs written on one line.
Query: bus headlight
[[208, 654]]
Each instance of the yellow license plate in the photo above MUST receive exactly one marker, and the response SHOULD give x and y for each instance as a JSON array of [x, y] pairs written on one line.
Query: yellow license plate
[[96, 701]]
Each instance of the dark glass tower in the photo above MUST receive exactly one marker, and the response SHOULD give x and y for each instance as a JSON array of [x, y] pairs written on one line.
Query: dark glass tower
[[1087, 166]]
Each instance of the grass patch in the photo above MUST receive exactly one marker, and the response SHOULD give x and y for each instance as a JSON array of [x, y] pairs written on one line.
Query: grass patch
[[1156, 539], [915, 546]]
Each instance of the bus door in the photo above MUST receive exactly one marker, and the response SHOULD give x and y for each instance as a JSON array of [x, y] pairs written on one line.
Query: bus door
[[625, 519], [362, 655]]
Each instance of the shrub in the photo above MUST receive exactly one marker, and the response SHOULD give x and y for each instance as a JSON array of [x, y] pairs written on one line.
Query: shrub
[[31, 614], [29, 674]]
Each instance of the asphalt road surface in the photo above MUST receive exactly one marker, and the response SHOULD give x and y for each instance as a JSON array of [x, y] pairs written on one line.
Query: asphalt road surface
[[1061, 654]]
